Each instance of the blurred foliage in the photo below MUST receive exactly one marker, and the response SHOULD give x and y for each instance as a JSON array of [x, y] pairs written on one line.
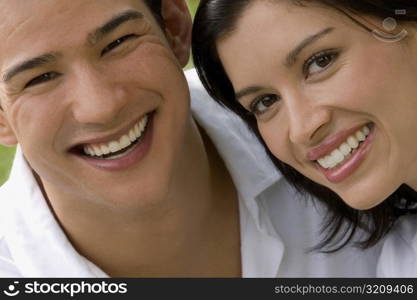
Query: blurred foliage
[[7, 154], [6, 157], [192, 5]]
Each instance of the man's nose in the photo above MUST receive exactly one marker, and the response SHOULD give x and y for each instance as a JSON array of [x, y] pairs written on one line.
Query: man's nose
[[97, 99], [307, 120]]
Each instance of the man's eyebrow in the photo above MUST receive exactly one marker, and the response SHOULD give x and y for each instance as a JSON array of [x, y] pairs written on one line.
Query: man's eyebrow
[[29, 64], [293, 55], [247, 91], [112, 24]]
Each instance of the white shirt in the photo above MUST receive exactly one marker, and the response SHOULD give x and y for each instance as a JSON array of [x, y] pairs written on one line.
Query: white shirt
[[32, 244], [399, 253]]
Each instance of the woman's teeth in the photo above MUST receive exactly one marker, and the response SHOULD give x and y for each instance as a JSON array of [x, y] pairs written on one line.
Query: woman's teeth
[[104, 149], [339, 155]]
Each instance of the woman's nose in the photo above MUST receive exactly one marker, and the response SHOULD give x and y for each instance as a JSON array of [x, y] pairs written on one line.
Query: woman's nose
[[307, 120]]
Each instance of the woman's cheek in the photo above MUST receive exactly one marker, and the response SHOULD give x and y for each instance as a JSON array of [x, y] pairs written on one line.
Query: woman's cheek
[[275, 141]]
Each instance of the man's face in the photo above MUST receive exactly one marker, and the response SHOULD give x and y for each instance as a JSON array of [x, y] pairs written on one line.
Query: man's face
[[94, 95]]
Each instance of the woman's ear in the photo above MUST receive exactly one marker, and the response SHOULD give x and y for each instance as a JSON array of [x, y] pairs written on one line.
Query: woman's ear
[[178, 25], [7, 136]]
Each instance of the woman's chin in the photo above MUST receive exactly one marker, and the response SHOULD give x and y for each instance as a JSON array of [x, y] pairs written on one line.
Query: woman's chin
[[364, 201]]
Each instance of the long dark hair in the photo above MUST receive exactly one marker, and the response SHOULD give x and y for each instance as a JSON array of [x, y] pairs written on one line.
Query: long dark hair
[[214, 19]]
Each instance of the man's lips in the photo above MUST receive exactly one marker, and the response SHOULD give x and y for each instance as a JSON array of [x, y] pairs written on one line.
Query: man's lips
[[125, 158], [332, 143], [106, 138]]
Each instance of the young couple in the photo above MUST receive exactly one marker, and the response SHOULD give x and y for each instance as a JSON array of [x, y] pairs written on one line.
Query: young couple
[[125, 170]]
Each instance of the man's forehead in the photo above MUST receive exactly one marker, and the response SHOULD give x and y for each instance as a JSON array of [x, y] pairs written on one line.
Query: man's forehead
[[17, 13], [24, 32]]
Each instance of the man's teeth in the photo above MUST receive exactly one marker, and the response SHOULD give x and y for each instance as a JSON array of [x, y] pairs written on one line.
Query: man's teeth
[[125, 141], [339, 155]]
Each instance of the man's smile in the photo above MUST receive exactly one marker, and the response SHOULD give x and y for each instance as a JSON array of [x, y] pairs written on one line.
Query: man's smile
[[118, 150], [119, 146]]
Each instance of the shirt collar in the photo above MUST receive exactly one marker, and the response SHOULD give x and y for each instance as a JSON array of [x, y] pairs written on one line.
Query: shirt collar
[[37, 243], [398, 257]]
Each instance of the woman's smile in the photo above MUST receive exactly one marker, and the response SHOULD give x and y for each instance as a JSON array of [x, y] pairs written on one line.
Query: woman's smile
[[340, 155], [345, 159]]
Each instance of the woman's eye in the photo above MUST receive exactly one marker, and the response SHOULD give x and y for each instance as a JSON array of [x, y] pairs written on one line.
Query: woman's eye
[[117, 43], [42, 78], [262, 103], [319, 62]]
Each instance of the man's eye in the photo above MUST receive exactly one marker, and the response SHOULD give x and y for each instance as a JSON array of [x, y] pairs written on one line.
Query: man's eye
[[42, 78], [262, 103], [319, 62], [117, 43]]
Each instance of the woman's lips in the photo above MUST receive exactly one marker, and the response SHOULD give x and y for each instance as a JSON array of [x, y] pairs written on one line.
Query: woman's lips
[[332, 143], [351, 163]]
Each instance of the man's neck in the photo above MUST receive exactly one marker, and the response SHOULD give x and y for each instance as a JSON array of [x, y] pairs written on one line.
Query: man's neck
[[193, 233]]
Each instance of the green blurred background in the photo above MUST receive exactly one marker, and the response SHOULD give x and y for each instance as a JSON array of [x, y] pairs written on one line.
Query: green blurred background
[[7, 154]]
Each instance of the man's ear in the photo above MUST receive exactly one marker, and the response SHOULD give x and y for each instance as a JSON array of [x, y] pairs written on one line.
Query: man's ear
[[7, 136], [178, 25]]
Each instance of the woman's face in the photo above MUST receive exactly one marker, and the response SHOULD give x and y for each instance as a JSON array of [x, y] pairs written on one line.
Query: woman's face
[[331, 99]]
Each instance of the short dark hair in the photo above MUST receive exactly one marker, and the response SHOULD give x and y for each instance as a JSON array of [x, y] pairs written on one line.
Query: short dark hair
[[214, 19], [155, 7]]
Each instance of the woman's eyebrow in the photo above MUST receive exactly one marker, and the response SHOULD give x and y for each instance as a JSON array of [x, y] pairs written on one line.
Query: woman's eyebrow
[[247, 91], [289, 61], [292, 57]]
